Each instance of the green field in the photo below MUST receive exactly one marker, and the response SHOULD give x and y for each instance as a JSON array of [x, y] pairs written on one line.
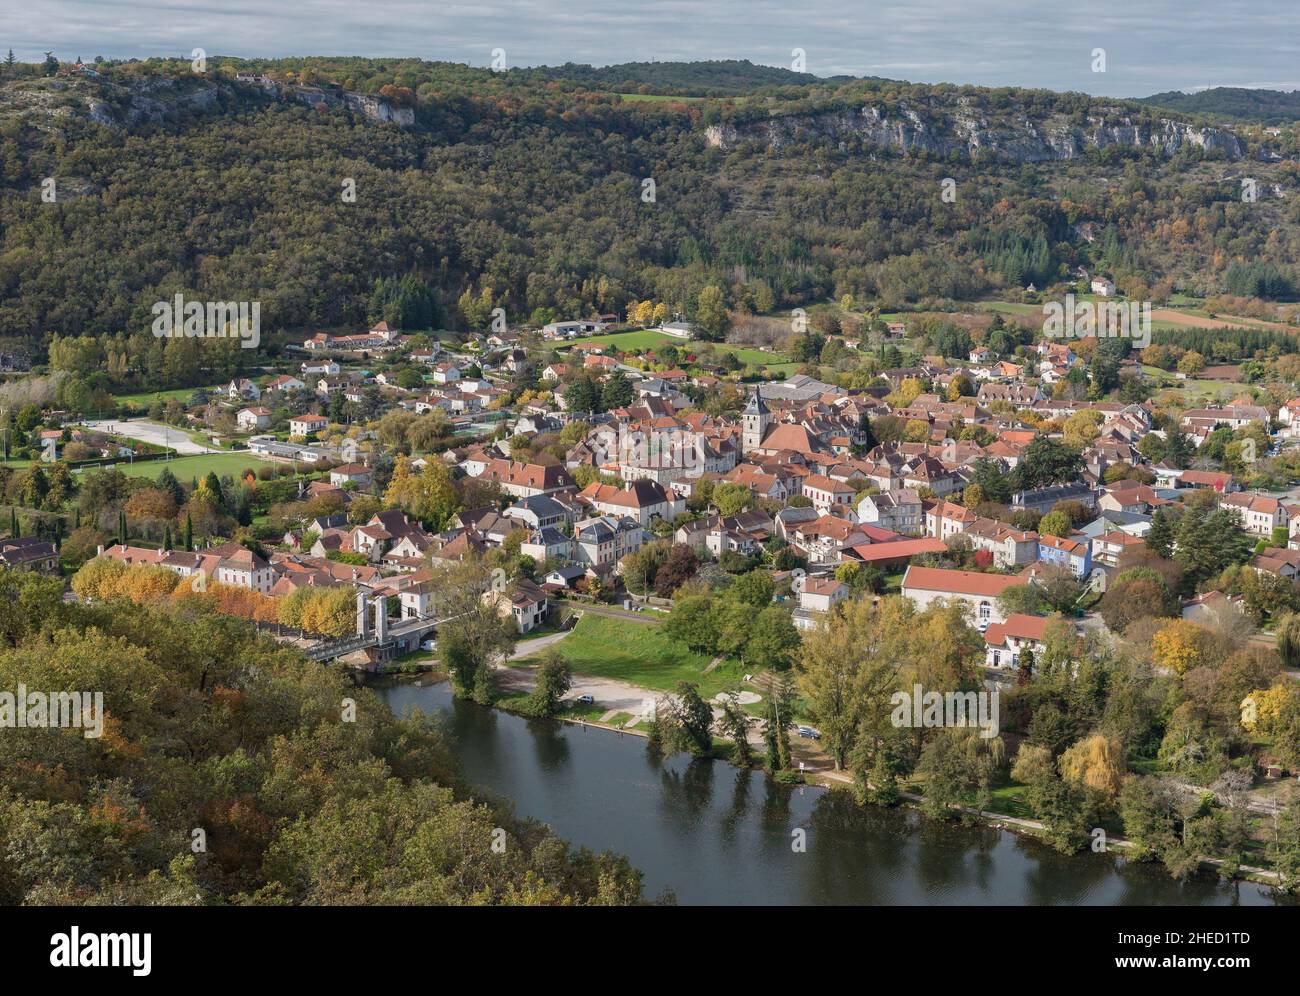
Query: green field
[[647, 339], [145, 398], [187, 467], [641, 339], [641, 654]]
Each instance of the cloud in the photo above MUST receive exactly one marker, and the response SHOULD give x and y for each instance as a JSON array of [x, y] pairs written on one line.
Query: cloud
[[1150, 45]]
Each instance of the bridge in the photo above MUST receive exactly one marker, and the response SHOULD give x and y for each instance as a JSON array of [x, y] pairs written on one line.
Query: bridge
[[390, 639]]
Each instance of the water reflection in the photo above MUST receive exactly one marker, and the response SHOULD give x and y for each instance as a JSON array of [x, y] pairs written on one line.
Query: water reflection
[[713, 834]]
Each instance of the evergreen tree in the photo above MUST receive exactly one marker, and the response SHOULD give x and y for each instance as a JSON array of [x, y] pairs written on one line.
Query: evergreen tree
[[189, 532], [167, 482], [121, 527], [13, 523], [1160, 537], [167, 538]]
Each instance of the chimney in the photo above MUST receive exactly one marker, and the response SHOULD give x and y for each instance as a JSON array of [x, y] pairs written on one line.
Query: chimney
[[99, 550]]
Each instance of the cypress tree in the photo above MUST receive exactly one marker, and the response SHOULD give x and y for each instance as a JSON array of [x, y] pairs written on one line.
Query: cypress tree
[[189, 532], [167, 538], [121, 527], [770, 736], [13, 523]]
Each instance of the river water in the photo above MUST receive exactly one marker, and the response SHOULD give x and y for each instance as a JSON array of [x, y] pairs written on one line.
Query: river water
[[712, 834]]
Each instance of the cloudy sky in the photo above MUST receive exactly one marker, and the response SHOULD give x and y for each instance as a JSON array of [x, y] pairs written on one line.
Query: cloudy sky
[[1150, 45]]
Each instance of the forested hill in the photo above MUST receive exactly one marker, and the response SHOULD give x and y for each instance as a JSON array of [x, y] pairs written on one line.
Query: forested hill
[[717, 78], [1229, 103], [513, 190]]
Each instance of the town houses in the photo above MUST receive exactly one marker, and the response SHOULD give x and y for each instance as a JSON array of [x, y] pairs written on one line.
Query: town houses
[[931, 478]]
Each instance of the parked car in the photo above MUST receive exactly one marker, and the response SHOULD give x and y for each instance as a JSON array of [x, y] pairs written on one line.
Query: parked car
[[585, 700], [429, 645], [809, 733]]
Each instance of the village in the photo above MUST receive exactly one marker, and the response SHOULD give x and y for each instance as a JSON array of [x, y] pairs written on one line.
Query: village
[[796, 465]]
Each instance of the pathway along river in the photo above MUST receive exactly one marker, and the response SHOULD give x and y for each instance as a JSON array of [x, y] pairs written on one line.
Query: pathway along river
[[713, 834]]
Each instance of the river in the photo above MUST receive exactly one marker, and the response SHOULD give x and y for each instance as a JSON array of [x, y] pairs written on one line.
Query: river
[[712, 834]]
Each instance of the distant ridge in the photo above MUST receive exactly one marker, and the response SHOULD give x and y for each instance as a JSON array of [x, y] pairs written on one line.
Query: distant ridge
[[715, 78], [1232, 104]]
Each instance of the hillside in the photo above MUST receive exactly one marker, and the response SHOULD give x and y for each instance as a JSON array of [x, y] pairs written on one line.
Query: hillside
[[717, 78], [524, 192], [1232, 104]]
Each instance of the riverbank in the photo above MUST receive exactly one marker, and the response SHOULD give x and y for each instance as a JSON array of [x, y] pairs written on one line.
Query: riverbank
[[827, 778], [713, 834]]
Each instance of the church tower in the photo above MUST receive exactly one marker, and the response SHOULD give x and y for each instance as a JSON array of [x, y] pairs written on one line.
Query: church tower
[[754, 421]]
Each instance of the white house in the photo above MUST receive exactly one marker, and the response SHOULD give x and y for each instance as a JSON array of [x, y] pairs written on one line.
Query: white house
[[305, 425], [929, 585], [250, 419]]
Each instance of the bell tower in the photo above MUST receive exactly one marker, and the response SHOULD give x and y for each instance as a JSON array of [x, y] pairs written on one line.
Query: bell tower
[[754, 421]]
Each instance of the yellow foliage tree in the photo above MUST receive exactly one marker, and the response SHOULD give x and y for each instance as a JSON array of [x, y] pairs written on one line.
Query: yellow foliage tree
[[1097, 762], [1179, 646]]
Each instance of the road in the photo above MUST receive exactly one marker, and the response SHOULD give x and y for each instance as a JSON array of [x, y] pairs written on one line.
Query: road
[[151, 432]]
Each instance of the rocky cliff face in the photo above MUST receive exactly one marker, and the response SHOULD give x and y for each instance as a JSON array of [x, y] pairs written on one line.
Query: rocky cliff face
[[969, 131], [154, 99], [374, 108]]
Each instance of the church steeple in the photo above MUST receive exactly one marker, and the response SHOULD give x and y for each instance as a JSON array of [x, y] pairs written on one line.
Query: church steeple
[[754, 421]]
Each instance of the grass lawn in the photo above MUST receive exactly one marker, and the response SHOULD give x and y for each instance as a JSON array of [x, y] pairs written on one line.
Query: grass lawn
[[641, 654], [186, 467], [145, 398], [641, 339]]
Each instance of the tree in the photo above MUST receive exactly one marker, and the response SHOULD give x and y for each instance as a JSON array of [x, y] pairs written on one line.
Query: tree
[[754, 588], [616, 392], [1180, 646], [773, 639], [830, 662], [1044, 463], [734, 722], [691, 623], [1065, 809], [1096, 762], [554, 679], [711, 315], [686, 721], [678, 568], [476, 631], [1055, 524], [731, 499], [429, 495]]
